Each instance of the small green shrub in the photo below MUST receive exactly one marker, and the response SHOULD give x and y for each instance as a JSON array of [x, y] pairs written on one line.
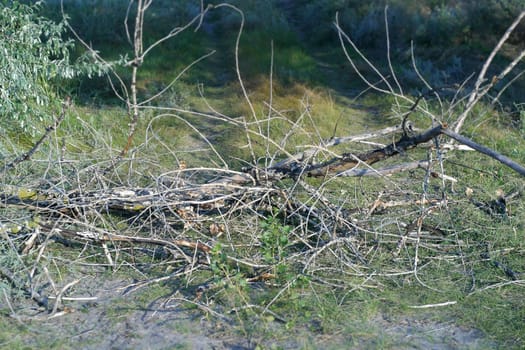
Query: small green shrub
[[274, 239]]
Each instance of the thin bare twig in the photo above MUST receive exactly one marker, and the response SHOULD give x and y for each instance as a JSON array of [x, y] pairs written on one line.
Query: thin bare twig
[[478, 92], [27, 155]]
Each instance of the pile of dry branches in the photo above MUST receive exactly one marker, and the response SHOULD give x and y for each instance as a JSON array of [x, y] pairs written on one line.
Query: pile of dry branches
[[180, 217]]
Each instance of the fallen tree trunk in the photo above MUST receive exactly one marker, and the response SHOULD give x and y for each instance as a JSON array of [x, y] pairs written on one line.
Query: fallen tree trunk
[[339, 165]]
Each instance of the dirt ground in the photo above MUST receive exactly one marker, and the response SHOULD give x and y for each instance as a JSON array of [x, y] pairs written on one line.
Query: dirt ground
[[114, 321]]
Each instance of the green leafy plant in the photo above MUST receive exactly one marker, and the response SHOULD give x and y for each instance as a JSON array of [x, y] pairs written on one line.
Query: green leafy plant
[[223, 271], [218, 261], [274, 239], [33, 56]]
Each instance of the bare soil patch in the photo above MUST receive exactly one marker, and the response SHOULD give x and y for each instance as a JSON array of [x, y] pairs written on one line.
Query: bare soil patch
[[117, 321]]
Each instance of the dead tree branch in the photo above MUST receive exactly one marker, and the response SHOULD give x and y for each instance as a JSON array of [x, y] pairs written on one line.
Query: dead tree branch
[[481, 90], [347, 161]]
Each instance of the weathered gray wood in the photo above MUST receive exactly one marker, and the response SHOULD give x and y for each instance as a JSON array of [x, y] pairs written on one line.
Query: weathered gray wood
[[347, 161], [485, 150]]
